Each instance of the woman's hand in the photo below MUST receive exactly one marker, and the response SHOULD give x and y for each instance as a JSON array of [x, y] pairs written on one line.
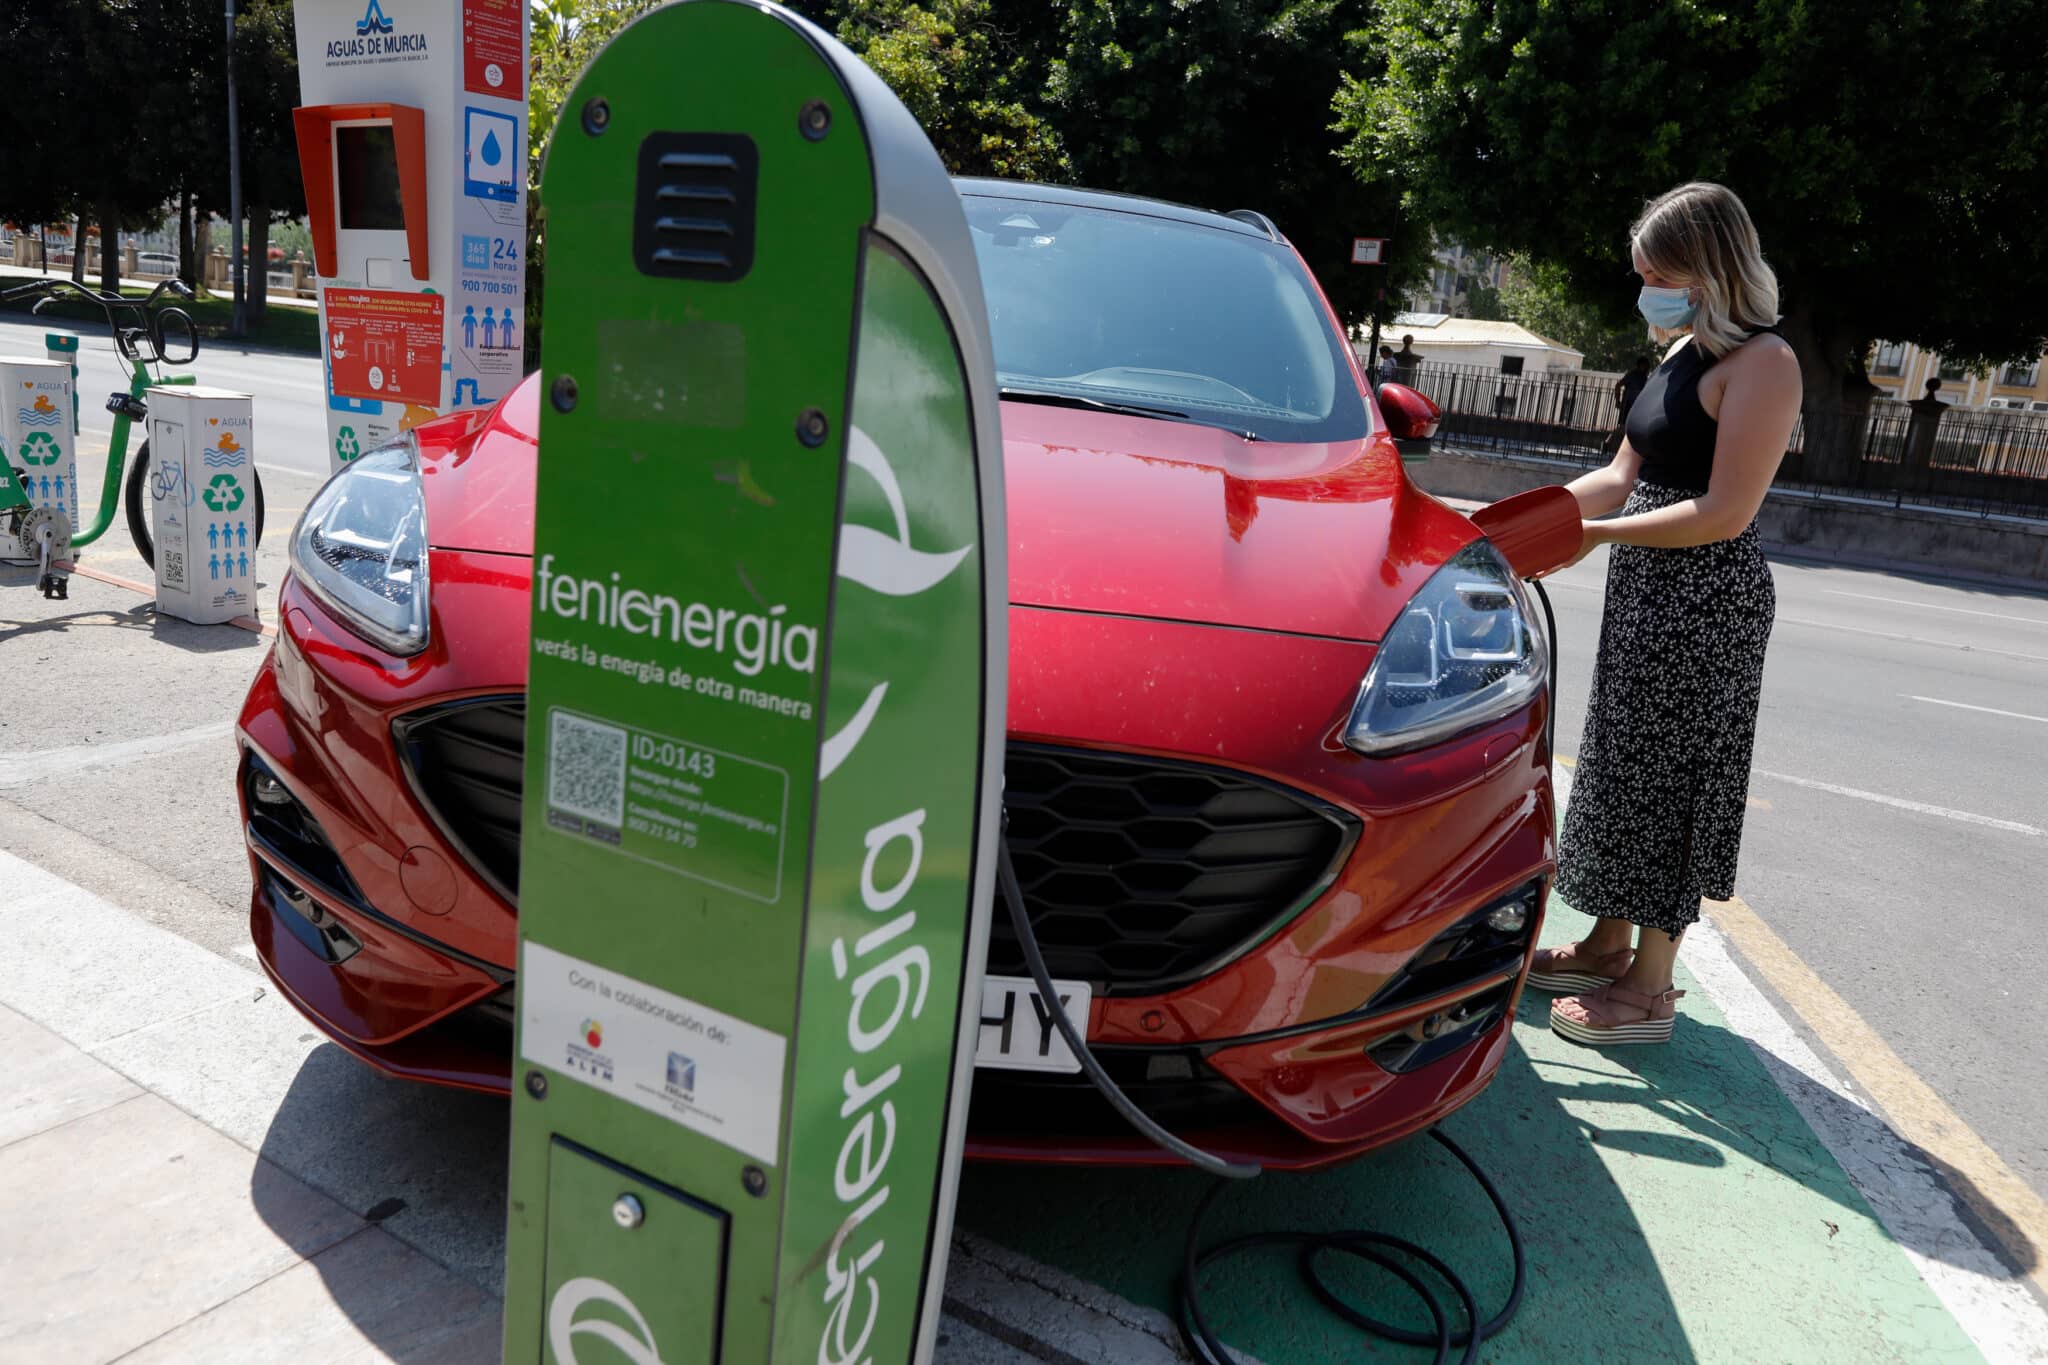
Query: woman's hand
[[1589, 541]]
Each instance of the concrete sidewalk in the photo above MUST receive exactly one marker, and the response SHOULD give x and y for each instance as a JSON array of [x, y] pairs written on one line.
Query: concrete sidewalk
[[187, 1174]]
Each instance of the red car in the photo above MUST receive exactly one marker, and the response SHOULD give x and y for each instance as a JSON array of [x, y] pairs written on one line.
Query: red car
[[1278, 781]]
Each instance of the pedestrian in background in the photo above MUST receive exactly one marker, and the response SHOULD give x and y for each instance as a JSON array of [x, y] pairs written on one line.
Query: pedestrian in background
[[1658, 795], [1407, 357], [1626, 390], [1389, 368]]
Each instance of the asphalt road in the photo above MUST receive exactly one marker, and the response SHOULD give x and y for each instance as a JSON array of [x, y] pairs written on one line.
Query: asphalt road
[[1898, 825]]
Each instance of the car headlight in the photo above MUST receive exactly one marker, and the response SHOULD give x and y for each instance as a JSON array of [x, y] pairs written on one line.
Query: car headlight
[[361, 547], [1463, 652]]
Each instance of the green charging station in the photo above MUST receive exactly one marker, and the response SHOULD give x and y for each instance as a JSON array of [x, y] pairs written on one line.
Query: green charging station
[[765, 714]]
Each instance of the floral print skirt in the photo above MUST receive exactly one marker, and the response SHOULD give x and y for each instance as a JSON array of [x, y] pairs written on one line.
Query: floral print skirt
[[1654, 822]]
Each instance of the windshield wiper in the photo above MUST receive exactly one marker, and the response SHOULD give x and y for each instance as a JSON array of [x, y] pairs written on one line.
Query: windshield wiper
[[1052, 398]]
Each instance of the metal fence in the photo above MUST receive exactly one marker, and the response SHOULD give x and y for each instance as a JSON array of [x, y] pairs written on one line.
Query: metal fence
[[1992, 463]]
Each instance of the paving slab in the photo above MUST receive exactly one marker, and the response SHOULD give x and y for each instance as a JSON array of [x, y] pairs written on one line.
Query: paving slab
[[49, 1082], [130, 1221], [369, 1298]]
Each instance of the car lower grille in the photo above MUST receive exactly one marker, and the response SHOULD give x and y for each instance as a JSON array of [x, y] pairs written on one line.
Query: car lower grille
[[1138, 874], [466, 761]]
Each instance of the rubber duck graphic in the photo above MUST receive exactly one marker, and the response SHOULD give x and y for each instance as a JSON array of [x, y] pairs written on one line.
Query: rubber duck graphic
[[227, 441], [414, 415], [43, 404]]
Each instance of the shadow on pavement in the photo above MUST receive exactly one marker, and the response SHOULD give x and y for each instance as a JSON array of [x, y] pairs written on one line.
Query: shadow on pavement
[[1667, 1082], [1588, 1279], [425, 1164]]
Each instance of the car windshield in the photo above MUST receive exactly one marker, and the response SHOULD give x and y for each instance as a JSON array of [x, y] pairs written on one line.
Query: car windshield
[[1130, 311]]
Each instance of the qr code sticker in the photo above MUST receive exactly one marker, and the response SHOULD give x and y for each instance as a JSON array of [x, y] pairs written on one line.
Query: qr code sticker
[[587, 768], [174, 568]]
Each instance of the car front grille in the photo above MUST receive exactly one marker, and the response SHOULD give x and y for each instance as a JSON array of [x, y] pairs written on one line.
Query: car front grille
[[466, 763], [1141, 874], [1138, 874]]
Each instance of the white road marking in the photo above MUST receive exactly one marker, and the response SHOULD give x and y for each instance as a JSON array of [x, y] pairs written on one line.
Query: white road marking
[[1965, 706], [1913, 639], [1936, 606], [17, 769], [1900, 803]]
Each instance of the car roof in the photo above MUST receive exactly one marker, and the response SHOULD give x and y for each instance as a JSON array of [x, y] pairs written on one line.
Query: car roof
[[1115, 203]]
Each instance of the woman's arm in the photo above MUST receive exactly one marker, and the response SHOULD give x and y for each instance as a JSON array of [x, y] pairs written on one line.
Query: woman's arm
[[1758, 409], [1607, 488]]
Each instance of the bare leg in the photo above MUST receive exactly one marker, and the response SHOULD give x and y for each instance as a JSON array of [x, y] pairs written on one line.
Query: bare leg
[[1655, 957], [1608, 936]]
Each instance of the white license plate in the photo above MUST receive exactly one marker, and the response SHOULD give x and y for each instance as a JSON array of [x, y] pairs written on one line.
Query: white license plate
[[1018, 1032]]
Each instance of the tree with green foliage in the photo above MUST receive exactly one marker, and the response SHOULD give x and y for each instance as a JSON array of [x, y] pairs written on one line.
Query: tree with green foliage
[[1891, 155], [1539, 295], [1228, 106]]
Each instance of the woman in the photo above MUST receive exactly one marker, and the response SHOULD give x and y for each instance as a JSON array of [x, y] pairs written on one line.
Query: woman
[[1655, 818]]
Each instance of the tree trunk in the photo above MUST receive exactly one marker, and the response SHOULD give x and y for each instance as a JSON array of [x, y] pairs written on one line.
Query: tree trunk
[[1836, 402], [188, 259], [78, 249], [110, 248], [202, 246], [257, 295]]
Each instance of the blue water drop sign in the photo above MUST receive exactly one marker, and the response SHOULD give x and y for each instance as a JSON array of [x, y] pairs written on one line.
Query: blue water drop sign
[[490, 155]]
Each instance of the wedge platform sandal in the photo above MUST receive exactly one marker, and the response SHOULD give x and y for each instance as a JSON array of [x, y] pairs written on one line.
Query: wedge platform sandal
[[1561, 970], [1612, 1017]]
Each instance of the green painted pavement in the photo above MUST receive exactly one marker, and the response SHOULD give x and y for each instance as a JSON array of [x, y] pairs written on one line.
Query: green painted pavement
[[1674, 1204]]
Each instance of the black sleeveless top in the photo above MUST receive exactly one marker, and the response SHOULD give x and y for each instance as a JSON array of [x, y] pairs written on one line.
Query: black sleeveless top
[[1670, 429]]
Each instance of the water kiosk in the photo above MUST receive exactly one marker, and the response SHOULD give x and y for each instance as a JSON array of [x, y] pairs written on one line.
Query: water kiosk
[[765, 713], [412, 144]]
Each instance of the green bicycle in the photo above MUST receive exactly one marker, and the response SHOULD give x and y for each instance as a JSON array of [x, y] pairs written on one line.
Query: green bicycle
[[146, 338]]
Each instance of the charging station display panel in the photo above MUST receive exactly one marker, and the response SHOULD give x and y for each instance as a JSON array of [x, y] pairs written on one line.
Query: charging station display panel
[[765, 700]]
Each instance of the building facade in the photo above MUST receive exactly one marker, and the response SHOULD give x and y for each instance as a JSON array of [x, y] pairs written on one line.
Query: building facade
[[1901, 370], [1454, 270]]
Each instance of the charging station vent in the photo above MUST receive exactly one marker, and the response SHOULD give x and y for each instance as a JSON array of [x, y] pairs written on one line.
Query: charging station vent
[[693, 209]]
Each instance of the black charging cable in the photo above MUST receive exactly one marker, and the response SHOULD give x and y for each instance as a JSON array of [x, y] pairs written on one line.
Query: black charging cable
[[1549, 648], [1373, 1248]]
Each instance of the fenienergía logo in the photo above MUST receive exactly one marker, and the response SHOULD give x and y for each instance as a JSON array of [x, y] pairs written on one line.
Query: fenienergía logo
[[636, 1345], [887, 563]]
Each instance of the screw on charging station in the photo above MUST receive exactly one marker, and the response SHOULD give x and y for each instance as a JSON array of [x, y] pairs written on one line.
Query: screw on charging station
[[564, 393], [537, 1085], [812, 428], [814, 121], [756, 1181], [597, 116]]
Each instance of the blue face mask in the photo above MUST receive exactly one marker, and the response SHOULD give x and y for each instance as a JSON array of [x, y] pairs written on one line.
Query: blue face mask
[[1666, 309]]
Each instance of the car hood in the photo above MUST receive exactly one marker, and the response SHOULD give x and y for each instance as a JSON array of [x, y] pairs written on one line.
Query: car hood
[[1143, 517], [477, 469], [1108, 513]]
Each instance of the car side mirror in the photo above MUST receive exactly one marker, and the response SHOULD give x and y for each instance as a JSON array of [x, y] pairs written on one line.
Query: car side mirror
[[1412, 420]]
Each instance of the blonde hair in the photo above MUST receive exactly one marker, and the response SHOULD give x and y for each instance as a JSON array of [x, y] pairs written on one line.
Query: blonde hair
[[1700, 235]]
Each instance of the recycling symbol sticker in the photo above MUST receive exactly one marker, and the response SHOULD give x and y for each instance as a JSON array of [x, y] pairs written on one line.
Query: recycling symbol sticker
[[346, 446], [223, 493], [41, 448]]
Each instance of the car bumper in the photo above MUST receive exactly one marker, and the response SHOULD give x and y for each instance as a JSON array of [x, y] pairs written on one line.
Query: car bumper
[[402, 954]]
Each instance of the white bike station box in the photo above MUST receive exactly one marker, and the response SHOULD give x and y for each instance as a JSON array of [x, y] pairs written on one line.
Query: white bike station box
[[202, 501], [35, 423], [412, 148]]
